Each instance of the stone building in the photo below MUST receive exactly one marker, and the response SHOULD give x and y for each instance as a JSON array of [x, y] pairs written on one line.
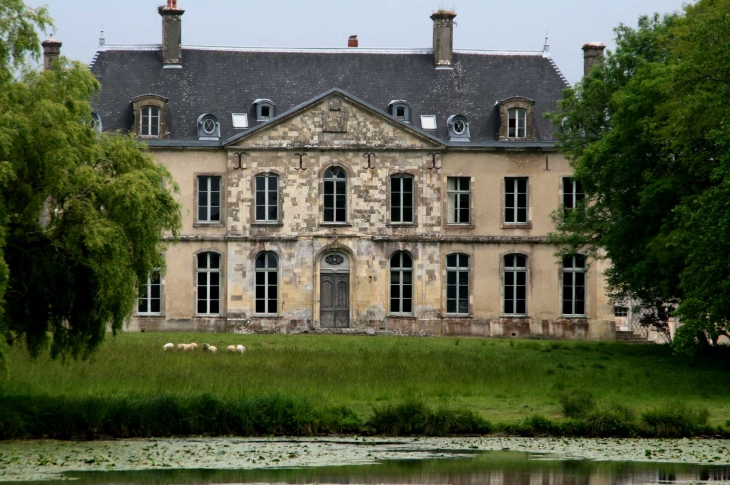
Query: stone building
[[356, 190]]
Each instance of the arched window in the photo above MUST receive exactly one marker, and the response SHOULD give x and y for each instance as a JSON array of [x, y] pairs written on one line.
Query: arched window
[[267, 284], [209, 284], [401, 284], [457, 284], [335, 195], [574, 285], [150, 121], [401, 199], [517, 123], [515, 284]]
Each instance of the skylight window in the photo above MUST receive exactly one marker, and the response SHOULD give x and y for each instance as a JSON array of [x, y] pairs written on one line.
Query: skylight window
[[240, 120], [428, 122]]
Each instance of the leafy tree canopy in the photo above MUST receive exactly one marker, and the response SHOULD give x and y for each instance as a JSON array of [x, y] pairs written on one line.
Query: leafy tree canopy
[[82, 214], [648, 133]]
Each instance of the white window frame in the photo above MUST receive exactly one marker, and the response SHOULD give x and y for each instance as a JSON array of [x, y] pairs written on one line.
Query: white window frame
[[520, 123], [208, 271], [572, 197], [267, 192], [144, 296], [147, 114], [573, 270], [331, 177], [428, 122], [399, 270], [458, 270], [511, 187], [239, 120], [455, 205], [266, 270], [514, 271], [208, 206], [398, 199]]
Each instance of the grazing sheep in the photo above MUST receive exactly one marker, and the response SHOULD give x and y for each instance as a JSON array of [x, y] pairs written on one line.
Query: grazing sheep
[[193, 346], [205, 346], [168, 346], [231, 348], [212, 349], [240, 349], [181, 346]]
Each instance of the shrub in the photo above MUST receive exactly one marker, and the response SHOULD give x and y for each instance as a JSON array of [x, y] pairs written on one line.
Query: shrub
[[414, 417], [576, 404], [610, 421], [675, 420]]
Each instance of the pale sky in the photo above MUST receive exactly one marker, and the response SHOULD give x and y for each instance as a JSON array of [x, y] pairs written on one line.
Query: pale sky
[[481, 24]]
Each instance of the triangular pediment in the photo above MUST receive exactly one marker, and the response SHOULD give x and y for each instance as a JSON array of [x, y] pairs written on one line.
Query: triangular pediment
[[335, 120]]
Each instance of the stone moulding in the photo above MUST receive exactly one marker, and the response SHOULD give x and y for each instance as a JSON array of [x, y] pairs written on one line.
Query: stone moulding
[[404, 238]]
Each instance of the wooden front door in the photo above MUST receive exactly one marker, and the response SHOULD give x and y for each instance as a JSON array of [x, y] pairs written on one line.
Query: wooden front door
[[334, 291]]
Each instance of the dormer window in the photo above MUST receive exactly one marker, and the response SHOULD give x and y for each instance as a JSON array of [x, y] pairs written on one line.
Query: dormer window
[[458, 127], [239, 120], [428, 122], [516, 119], [150, 113], [95, 122], [264, 109], [208, 127], [400, 110]]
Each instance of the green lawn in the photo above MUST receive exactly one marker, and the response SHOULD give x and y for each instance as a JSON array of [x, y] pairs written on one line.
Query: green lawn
[[504, 380]]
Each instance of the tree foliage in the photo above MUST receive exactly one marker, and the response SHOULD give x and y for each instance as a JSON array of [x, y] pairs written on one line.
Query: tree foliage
[[82, 214], [648, 133]]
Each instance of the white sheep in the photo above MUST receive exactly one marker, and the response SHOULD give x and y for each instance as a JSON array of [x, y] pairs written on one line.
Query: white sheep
[[240, 349], [181, 346], [212, 349], [231, 348], [193, 346], [168, 346]]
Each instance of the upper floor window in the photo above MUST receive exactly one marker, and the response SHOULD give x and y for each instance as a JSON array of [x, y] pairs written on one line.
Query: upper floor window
[[428, 122], [335, 195], [208, 127], [150, 112], [149, 300], [457, 284], [515, 284], [95, 122], [401, 284], [267, 198], [516, 117], [574, 285], [267, 284], [401, 199], [239, 120], [573, 194], [209, 198], [400, 110], [515, 200], [458, 127], [209, 284], [150, 121], [458, 193], [264, 109]]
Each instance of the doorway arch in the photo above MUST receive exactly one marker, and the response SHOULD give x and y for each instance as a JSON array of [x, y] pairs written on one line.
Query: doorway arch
[[334, 290]]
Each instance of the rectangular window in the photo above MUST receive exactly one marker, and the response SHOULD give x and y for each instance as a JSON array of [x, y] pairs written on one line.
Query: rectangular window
[[335, 195], [457, 284], [515, 284], [149, 301], [572, 194], [209, 284], [150, 121], [620, 311], [401, 199], [515, 200], [267, 198], [428, 122], [459, 200], [517, 123], [240, 120], [209, 199]]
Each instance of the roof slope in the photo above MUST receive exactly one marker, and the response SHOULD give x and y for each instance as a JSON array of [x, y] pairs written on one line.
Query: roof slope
[[228, 81]]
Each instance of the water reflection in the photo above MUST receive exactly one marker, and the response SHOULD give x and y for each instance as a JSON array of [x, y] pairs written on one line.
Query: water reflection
[[490, 468]]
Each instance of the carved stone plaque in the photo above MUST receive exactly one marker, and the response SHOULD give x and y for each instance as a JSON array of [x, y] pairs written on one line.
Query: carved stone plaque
[[334, 122], [335, 104]]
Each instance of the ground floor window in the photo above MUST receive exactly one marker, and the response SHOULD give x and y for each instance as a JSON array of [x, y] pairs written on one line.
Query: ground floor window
[[515, 284], [401, 284], [457, 284], [149, 301], [267, 283], [574, 285], [209, 284]]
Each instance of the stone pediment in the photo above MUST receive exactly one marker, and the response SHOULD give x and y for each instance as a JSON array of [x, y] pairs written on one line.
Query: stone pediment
[[335, 120]]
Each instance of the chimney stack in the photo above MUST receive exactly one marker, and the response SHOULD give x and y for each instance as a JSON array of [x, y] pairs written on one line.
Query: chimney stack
[[51, 51], [592, 55], [443, 38], [352, 41], [171, 34]]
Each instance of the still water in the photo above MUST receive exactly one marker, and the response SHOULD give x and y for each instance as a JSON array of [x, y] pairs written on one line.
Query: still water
[[461, 468]]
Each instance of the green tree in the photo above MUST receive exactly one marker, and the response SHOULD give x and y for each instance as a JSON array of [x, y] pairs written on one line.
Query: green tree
[[647, 133], [82, 214]]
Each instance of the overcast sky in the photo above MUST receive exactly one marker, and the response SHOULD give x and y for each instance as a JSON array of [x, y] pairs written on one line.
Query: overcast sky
[[481, 24]]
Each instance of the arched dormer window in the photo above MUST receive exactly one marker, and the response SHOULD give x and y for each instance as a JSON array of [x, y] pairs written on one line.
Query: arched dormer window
[[95, 122], [458, 127], [150, 115], [400, 110], [264, 109], [516, 116], [208, 127]]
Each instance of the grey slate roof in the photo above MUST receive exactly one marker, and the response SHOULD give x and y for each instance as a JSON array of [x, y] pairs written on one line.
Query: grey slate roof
[[228, 81]]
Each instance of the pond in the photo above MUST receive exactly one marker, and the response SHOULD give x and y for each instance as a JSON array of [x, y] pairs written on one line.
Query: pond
[[463, 461]]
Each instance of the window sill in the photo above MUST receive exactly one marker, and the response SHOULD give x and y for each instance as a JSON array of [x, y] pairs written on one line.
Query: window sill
[[402, 317], [457, 315], [336, 224], [149, 315], [516, 225], [274, 316], [401, 224], [208, 315], [267, 223], [515, 316], [208, 224], [460, 226], [575, 317]]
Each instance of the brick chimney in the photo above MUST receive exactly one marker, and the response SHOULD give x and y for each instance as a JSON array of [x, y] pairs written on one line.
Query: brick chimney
[[352, 41], [171, 34], [51, 51], [592, 55], [443, 38]]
